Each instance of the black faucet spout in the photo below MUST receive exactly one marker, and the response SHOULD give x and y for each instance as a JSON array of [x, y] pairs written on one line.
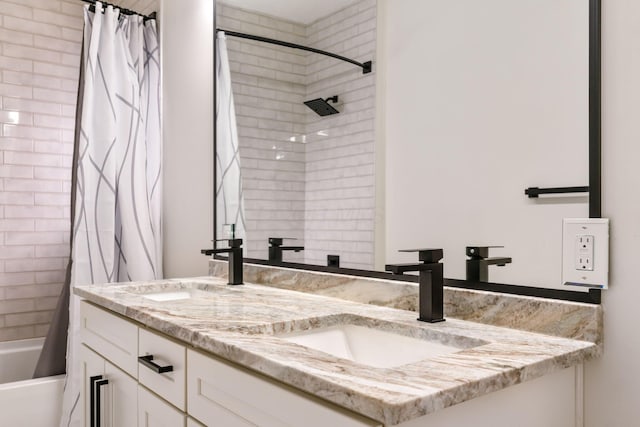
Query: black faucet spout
[[292, 248], [479, 262], [431, 283], [406, 268], [276, 248], [235, 259], [500, 262]]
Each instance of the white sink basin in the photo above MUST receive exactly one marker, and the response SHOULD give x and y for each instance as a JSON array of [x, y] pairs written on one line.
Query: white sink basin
[[168, 296], [373, 347], [176, 291]]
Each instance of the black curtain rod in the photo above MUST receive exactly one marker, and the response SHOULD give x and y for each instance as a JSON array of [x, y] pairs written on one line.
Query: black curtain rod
[[366, 66], [122, 9]]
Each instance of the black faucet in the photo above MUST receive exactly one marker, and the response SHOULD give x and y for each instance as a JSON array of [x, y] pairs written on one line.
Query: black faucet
[[479, 262], [276, 248], [431, 281], [235, 259]]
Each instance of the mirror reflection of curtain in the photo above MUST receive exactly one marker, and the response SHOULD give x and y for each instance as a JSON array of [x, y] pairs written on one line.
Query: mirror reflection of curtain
[[117, 225], [229, 198]]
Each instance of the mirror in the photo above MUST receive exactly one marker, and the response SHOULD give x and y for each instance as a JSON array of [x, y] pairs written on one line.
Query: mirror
[[468, 104], [305, 176]]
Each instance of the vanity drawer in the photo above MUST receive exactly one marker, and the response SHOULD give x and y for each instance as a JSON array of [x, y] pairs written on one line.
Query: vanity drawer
[[220, 394], [112, 337], [168, 385]]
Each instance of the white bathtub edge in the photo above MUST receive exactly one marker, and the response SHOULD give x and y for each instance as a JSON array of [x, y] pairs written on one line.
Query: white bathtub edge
[[18, 400]]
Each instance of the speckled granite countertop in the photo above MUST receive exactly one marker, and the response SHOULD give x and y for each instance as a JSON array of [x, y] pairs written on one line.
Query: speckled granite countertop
[[238, 323]]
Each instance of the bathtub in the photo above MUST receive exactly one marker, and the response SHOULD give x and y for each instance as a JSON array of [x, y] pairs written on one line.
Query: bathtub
[[24, 401]]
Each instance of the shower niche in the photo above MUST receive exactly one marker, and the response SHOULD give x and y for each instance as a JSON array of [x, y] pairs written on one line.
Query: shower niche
[[305, 128]]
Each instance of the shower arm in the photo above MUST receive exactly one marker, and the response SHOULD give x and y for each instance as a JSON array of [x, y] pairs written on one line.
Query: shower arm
[[366, 66]]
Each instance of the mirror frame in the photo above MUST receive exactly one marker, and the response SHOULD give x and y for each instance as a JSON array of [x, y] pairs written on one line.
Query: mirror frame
[[593, 296]]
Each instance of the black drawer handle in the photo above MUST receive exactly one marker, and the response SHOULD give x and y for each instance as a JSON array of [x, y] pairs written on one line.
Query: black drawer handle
[[92, 394], [99, 384], [95, 396], [148, 362]]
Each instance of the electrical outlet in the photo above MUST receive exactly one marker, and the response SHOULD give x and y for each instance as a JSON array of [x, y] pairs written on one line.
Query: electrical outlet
[[585, 252]]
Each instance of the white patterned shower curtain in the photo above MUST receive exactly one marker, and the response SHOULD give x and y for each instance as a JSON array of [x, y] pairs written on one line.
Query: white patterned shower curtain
[[229, 198], [117, 229]]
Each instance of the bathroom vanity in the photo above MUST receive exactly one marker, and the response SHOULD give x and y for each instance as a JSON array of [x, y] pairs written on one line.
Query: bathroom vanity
[[258, 355]]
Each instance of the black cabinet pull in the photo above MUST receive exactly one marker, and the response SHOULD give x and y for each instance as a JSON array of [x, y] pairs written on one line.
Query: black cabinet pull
[[92, 399], [148, 362], [99, 384]]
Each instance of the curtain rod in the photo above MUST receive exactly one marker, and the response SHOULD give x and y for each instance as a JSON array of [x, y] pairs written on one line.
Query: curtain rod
[[366, 66], [122, 9]]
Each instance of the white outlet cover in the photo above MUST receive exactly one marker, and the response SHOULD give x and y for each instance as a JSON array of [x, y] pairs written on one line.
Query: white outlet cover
[[572, 275]]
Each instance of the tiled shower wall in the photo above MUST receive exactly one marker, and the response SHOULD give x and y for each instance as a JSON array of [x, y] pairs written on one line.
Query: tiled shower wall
[[40, 42], [305, 176], [268, 84], [340, 175]]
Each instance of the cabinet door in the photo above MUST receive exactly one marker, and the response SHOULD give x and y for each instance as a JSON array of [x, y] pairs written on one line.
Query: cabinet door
[[155, 412], [92, 366], [115, 401], [122, 403]]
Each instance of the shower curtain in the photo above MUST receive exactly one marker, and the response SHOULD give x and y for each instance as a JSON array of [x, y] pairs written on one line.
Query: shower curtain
[[229, 198], [116, 216]]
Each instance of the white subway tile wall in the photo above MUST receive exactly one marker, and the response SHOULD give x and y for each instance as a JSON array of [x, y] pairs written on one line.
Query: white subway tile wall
[[320, 191], [40, 42], [340, 179], [268, 84]]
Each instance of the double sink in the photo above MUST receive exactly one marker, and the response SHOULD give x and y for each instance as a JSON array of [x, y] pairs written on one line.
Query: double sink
[[360, 339], [376, 361]]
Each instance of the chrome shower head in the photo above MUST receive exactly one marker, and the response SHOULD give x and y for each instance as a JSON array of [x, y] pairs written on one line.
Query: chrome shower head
[[322, 107]]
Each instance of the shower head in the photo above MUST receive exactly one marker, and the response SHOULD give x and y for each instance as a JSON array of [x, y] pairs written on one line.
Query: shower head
[[322, 107]]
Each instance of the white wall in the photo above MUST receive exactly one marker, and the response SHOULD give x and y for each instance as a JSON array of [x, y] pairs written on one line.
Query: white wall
[[469, 127], [186, 29], [613, 382]]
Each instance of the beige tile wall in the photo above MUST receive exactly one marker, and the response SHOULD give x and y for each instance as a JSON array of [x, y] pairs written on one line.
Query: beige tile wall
[[40, 42]]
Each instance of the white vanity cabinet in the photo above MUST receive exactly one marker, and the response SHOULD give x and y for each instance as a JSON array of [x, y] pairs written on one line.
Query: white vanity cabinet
[[117, 390], [198, 390], [108, 394], [109, 368], [177, 386]]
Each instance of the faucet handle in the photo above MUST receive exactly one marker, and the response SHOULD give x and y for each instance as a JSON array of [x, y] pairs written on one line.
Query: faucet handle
[[427, 254], [479, 251], [277, 241], [233, 243]]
